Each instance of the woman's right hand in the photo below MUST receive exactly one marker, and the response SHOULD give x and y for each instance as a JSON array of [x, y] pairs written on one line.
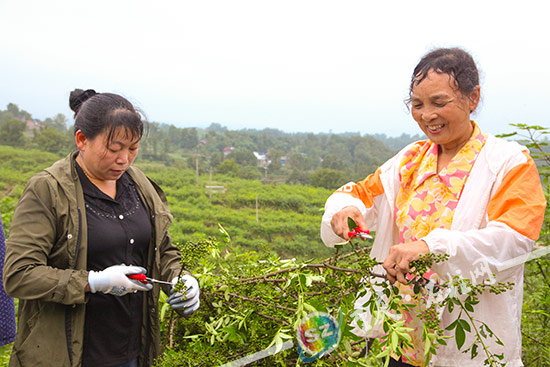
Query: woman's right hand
[[339, 222]]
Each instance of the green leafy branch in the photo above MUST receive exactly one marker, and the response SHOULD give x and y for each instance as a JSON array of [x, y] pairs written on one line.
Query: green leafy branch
[[254, 300]]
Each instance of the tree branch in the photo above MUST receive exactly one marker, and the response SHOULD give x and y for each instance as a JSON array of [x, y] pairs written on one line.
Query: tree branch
[[250, 299]]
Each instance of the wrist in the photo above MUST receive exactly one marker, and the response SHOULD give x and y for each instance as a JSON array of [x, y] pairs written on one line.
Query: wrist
[[424, 246], [93, 280]]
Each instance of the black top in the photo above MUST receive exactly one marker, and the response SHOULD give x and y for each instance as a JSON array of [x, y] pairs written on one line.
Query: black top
[[119, 232]]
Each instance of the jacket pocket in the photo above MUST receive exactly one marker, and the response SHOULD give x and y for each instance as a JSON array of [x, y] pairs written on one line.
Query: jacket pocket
[[42, 342]]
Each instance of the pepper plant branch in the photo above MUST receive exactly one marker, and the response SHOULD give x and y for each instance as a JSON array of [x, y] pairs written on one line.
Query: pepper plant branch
[[282, 322], [256, 300], [294, 268]]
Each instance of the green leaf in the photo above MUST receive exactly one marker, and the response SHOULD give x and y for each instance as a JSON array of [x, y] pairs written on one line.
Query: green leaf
[[460, 336], [227, 238], [474, 351], [506, 135], [164, 309], [302, 280], [394, 341], [488, 330], [464, 324], [309, 307], [351, 223], [427, 347], [453, 325], [450, 306], [482, 332], [384, 353]]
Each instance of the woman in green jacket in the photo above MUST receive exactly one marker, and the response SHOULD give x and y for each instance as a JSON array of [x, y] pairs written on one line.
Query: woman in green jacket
[[81, 227]]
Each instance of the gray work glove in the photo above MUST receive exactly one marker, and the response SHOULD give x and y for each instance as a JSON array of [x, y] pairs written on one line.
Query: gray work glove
[[114, 280], [189, 300]]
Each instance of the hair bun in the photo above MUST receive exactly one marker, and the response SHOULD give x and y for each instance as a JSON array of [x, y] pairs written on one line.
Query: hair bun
[[78, 97]]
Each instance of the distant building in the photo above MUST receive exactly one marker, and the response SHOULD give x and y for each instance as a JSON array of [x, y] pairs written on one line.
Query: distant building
[[32, 125], [262, 159], [227, 151]]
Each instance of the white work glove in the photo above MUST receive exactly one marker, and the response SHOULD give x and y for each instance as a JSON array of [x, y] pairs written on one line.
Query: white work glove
[[188, 301], [114, 280]]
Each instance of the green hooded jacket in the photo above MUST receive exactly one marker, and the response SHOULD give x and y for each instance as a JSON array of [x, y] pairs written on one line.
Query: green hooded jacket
[[45, 267]]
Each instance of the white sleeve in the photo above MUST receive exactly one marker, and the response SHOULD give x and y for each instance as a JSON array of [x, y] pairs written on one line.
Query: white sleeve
[[334, 204], [494, 248]]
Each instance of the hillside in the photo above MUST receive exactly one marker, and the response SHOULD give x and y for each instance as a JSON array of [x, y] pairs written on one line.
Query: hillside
[[287, 219]]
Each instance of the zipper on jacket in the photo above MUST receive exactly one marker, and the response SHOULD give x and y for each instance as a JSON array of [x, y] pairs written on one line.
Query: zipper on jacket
[[69, 308], [148, 337]]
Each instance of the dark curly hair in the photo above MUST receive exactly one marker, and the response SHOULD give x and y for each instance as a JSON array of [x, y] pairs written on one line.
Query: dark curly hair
[[455, 62]]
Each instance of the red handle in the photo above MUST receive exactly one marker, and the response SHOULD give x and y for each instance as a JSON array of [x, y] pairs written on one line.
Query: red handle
[[140, 277]]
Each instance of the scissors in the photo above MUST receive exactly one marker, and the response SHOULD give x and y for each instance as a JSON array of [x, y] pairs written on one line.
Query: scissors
[[364, 234], [143, 279]]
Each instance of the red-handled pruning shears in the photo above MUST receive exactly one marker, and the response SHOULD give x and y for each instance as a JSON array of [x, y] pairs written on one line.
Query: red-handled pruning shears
[[143, 279], [364, 234]]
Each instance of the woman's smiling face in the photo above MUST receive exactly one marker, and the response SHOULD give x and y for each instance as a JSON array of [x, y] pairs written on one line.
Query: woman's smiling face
[[442, 111]]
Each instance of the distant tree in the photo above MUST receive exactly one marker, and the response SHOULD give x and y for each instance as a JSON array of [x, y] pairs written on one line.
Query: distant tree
[[328, 178], [59, 122], [175, 135], [18, 113], [216, 127], [244, 158], [215, 159], [332, 161], [301, 161], [298, 177], [5, 116], [228, 167], [249, 173], [397, 143], [190, 138], [156, 145], [11, 133], [274, 156], [69, 138], [13, 109], [50, 139]]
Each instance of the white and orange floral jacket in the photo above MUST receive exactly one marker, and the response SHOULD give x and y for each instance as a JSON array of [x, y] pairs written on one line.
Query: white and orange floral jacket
[[497, 220]]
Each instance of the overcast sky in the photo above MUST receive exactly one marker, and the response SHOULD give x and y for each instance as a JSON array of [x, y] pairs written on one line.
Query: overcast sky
[[294, 65]]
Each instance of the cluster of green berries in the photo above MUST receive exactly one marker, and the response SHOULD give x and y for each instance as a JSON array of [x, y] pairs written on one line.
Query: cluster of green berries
[[367, 263], [180, 287], [430, 318], [425, 262], [193, 252], [500, 287]]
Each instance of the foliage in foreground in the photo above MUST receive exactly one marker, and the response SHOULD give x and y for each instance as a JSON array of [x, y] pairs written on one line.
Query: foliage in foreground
[[253, 300], [536, 301]]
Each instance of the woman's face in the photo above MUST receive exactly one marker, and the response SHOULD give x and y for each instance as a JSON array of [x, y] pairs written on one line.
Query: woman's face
[[104, 161], [442, 111]]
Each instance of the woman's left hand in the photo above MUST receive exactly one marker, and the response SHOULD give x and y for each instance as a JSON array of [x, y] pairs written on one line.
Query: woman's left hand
[[399, 258], [188, 300]]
